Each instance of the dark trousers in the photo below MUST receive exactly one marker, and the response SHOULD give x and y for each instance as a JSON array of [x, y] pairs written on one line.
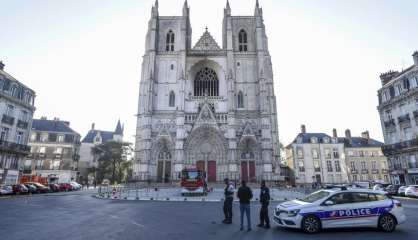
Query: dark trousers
[[228, 208], [264, 215]]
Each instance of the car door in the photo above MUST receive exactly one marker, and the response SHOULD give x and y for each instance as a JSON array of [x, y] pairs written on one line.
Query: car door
[[349, 209], [333, 215]]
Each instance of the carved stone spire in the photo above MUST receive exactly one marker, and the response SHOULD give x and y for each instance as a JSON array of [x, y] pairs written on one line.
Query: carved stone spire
[[227, 8], [185, 9]]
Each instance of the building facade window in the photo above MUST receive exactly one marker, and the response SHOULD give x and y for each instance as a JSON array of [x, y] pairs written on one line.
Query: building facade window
[[242, 41], [172, 99], [374, 165], [337, 166], [19, 138], [299, 152], [4, 136], [206, 83], [336, 153], [240, 100], [329, 166], [412, 163], [301, 166], [315, 154], [363, 165], [169, 46], [352, 166], [317, 167], [9, 110], [327, 153]]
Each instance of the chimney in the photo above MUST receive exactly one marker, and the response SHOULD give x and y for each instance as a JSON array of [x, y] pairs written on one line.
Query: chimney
[[415, 56], [56, 119], [1, 65], [43, 118], [92, 126], [365, 135], [303, 128], [334, 133], [348, 133]]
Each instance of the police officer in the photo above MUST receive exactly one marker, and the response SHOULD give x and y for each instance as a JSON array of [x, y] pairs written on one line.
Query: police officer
[[229, 198], [264, 200]]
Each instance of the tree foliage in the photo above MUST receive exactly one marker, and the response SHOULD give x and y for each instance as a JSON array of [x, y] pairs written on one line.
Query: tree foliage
[[112, 159]]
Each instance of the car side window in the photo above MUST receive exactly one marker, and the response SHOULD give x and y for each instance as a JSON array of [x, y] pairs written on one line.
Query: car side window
[[361, 197], [342, 198]]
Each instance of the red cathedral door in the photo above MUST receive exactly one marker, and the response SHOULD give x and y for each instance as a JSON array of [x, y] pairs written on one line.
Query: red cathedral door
[[211, 171], [252, 171], [244, 171]]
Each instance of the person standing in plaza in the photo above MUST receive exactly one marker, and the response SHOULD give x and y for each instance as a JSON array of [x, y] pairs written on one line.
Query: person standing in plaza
[[245, 195], [264, 211], [229, 198]]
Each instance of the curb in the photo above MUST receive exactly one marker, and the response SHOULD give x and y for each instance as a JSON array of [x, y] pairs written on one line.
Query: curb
[[173, 199]]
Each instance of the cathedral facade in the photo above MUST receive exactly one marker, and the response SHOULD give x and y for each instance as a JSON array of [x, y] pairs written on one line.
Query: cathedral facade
[[207, 106]]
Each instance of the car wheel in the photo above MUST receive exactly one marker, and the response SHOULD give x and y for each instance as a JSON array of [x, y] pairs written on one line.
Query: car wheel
[[311, 224], [387, 223]]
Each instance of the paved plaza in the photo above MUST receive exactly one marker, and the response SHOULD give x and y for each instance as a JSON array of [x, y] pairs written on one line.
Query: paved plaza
[[78, 215]]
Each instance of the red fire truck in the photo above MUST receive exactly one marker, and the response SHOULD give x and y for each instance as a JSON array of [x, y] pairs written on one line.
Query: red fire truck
[[193, 182]]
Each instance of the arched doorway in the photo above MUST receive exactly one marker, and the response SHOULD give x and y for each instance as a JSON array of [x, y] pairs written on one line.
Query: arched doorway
[[205, 149], [249, 156], [163, 159]]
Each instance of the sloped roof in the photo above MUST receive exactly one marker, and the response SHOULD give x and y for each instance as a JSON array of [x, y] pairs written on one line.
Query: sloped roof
[[105, 135], [52, 126], [306, 138], [206, 43], [362, 142]]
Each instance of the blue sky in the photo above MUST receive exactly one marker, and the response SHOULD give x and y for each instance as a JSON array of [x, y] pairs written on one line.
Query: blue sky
[[82, 57]]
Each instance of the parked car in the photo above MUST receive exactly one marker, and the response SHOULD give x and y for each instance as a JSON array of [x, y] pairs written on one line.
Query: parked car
[[31, 188], [401, 190], [76, 186], [65, 187], [39, 187], [19, 189], [54, 187], [6, 190], [411, 191], [392, 189]]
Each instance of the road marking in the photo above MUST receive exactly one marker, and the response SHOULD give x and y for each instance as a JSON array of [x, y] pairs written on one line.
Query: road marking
[[137, 224], [114, 216]]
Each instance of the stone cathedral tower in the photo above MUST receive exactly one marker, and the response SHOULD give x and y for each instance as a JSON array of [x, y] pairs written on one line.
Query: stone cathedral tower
[[207, 106]]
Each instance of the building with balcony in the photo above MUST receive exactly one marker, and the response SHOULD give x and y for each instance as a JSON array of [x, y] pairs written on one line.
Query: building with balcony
[[317, 158], [398, 110], [54, 151], [364, 159], [16, 111], [94, 137]]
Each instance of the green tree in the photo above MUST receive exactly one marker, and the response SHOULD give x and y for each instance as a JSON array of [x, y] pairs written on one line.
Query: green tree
[[111, 157]]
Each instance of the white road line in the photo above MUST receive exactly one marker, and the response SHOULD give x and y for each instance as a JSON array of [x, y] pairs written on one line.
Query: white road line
[[137, 224], [114, 216]]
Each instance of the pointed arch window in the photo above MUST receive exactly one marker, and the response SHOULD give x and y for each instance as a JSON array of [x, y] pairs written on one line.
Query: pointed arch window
[[206, 83], [240, 100], [242, 41], [169, 44], [172, 99]]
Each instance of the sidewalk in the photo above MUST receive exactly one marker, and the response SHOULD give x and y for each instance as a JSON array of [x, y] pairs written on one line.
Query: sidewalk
[[174, 194]]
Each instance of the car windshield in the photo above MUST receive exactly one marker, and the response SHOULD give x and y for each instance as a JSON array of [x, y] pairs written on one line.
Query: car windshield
[[191, 175], [315, 196]]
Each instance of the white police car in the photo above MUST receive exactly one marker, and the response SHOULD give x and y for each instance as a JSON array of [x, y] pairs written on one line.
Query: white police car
[[338, 208]]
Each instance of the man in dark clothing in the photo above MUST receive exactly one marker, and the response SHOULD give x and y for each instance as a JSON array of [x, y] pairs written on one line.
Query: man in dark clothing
[[245, 195], [229, 198], [264, 211]]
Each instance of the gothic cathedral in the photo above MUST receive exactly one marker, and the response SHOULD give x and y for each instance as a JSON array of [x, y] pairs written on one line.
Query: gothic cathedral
[[207, 106]]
